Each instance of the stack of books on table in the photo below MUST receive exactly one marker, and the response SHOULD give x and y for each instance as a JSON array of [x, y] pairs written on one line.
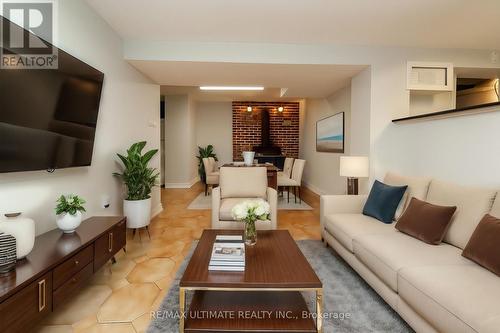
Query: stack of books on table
[[228, 254]]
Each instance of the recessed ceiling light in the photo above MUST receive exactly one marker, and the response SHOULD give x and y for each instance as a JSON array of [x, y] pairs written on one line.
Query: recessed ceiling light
[[230, 88], [280, 109], [249, 109]]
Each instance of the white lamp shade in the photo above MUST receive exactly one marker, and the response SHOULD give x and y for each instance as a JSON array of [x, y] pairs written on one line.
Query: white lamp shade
[[354, 166]]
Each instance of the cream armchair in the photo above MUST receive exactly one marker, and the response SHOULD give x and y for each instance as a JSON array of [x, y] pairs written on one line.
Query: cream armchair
[[237, 184]]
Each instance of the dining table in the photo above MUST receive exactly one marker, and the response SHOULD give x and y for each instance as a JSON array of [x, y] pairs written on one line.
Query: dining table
[[272, 171]]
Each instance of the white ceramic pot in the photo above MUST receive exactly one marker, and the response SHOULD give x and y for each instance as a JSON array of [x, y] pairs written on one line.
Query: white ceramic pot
[[23, 230], [68, 223], [248, 157], [138, 212]]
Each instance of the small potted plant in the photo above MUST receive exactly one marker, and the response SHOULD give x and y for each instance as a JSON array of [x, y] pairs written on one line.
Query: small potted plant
[[250, 211], [69, 212], [139, 179]]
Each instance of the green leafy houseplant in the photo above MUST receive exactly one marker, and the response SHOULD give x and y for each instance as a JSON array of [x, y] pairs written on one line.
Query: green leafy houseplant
[[137, 175], [208, 151], [70, 204]]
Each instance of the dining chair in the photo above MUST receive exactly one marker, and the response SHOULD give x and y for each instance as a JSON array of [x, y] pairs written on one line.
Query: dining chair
[[294, 181], [211, 173]]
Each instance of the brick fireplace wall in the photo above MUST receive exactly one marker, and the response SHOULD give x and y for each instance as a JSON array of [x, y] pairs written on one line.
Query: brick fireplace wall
[[284, 127]]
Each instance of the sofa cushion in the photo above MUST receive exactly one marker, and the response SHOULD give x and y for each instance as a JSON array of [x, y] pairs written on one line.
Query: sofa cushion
[[453, 298], [386, 254], [226, 206], [425, 221], [383, 201], [472, 203], [243, 182], [417, 188], [483, 246], [345, 227], [495, 210]]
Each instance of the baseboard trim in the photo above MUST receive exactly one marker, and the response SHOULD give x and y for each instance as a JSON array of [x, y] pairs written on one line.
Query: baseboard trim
[[158, 209], [194, 181], [314, 188], [183, 185], [177, 185]]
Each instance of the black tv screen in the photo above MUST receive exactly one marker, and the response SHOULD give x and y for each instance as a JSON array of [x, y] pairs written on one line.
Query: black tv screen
[[48, 117]]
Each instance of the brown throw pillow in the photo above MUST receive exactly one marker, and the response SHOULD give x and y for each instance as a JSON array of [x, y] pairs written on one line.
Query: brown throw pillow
[[484, 244], [426, 221]]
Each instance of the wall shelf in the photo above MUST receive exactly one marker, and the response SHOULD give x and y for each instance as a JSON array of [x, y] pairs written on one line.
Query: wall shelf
[[490, 107]]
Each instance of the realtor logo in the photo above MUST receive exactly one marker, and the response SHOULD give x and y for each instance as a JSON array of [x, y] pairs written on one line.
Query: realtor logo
[[27, 34]]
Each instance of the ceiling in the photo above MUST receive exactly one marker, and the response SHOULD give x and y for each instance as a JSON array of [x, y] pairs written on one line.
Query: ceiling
[[409, 23], [300, 81], [269, 94]]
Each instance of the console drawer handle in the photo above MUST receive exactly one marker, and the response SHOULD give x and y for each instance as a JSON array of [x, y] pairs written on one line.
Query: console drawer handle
[[41, 295], [110, 242]]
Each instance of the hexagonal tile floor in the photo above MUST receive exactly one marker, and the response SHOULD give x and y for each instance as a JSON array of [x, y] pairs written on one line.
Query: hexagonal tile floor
[[119, 297], [128, 303], [151, 270]]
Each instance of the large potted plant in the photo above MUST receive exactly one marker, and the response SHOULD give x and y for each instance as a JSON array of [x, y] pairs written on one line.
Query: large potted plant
[[139, 179], [206, 152]]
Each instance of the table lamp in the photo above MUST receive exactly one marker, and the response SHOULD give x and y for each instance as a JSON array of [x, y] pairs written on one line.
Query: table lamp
[[353, 167]]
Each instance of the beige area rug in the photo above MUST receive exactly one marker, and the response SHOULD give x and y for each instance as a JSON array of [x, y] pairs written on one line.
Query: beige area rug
[[205, 202]]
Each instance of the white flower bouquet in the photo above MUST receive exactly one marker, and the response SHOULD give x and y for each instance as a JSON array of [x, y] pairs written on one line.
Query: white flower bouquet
[[250, 211]]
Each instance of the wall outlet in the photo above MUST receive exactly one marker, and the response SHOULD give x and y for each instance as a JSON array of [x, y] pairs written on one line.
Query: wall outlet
[[494, 57], [105, 201]]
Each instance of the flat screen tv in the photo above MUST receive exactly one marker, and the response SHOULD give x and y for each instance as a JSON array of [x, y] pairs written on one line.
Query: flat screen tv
[[48, 117]]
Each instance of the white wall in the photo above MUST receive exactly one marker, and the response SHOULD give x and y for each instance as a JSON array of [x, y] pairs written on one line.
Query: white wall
[[129, 107], [180, 142], [360, 119], [437, 148], [462, 150], [193, 148], [214, 125], [321, 172], [189, 124]]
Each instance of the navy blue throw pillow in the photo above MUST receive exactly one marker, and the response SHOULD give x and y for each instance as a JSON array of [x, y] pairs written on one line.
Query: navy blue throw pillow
[[383, 201]]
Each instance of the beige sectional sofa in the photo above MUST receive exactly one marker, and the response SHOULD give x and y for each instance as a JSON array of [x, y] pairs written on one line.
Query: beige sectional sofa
[[432, 287]]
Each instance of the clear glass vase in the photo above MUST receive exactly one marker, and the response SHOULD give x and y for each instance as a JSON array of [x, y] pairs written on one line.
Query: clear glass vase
[[250, 232]]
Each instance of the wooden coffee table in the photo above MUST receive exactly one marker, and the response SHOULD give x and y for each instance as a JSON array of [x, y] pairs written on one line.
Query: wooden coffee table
[[266, 297]]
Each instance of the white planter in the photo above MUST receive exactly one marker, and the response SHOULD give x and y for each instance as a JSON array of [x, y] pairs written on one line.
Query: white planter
[[23, 230], [138, 212], [248, 157], [68, 223]]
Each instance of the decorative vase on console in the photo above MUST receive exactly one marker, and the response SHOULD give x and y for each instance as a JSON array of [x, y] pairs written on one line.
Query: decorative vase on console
[[248, 157], [22, 229], [251, 211], [8, 255], [69, 212]]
